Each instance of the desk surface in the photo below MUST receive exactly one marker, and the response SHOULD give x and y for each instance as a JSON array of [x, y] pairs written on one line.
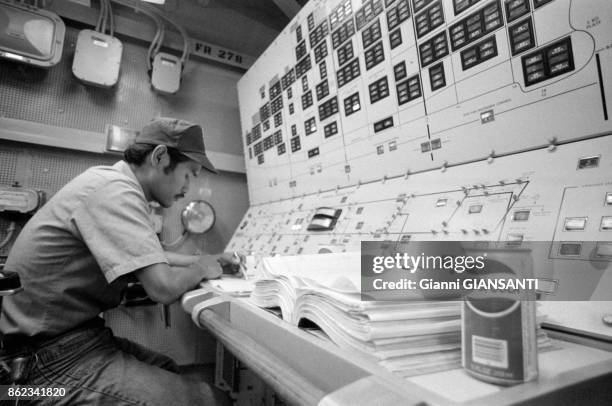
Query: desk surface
[[306, 369]]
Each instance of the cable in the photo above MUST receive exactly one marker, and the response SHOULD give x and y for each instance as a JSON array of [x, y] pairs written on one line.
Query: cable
[[181, 30], [10, 231], [105, 18], [111, 18], [162, 34], [155, 43], [100, 15]]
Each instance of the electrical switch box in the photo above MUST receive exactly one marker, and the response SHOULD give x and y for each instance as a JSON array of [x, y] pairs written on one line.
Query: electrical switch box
[[97, 58], [166, 75]]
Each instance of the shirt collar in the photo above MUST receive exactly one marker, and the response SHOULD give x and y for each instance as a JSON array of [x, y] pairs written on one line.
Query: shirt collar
[[125, 169]]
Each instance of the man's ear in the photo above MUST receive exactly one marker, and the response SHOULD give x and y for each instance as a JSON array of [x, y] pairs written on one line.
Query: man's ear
[[159, 157]]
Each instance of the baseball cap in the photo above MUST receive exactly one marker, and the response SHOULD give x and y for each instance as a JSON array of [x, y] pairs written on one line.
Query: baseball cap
[[181, 135]]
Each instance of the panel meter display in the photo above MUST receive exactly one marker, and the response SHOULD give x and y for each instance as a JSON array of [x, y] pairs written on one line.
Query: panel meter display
[[324, 219]]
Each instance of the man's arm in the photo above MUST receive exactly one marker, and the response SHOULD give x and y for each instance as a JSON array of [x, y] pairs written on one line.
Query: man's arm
[[165, 284], [177, 259]]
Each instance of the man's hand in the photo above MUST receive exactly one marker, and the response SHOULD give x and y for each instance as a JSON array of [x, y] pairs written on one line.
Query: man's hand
[[232, 263], [209, 266]]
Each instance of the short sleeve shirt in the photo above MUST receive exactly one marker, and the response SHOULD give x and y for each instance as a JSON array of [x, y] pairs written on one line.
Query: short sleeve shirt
[[73, 255]]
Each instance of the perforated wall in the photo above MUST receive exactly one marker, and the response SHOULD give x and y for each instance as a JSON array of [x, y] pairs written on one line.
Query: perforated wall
[[54, 96], [42, 169], [8, 168], [52, 170]]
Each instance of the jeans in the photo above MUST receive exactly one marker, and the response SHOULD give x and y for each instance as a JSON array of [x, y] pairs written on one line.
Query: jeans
[[97, 368]]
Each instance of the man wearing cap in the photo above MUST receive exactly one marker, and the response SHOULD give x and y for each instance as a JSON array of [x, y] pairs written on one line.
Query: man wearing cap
[[76, 256]]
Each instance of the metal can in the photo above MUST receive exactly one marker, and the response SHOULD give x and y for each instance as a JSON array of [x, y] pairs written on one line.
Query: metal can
[[499, 342]]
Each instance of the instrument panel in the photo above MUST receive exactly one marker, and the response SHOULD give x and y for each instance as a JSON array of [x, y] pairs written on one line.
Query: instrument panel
[[353, 91]]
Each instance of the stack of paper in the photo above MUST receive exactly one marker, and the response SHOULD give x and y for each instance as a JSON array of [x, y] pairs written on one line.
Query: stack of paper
[[408, 338]]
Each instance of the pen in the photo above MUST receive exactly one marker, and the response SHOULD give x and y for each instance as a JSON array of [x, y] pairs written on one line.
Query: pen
[[240, 264]]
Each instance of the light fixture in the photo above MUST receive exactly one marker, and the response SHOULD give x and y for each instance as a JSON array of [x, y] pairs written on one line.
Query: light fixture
[[30, 35]]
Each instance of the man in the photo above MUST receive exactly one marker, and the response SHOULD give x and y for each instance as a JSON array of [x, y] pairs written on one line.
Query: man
[[75, 257]]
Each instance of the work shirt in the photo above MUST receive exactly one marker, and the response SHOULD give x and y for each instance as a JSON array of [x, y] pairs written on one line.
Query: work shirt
[[73, 256]]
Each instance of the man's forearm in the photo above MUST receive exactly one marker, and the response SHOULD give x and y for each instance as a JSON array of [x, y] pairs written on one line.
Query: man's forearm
[[181, 260], [165, 284]]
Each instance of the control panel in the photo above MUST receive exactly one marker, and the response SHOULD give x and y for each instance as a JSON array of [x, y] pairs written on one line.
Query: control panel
[[561, 196], [471, 120], [357, 90]]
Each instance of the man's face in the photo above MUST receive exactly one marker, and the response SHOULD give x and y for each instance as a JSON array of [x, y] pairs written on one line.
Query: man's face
[[172, 186]]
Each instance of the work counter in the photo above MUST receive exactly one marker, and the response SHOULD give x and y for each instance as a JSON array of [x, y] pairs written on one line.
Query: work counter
[[304, 368]]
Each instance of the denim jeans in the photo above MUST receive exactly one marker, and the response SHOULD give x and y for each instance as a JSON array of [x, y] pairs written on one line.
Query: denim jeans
[[97, 368]]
